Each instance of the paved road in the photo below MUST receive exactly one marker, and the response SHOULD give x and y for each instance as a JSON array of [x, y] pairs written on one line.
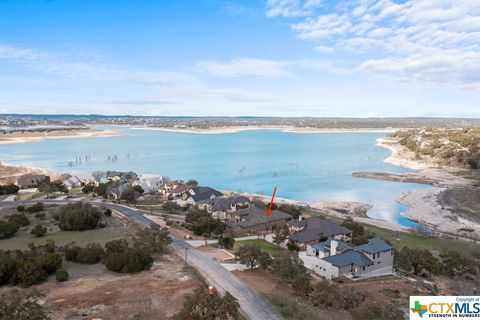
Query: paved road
[[253, 305]]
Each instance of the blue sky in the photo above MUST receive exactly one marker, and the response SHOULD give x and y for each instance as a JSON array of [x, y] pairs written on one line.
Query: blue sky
[[355, 58]]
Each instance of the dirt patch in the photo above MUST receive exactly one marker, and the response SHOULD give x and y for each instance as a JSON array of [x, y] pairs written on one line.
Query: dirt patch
[[216, 254], [154, 294], [263, 281]]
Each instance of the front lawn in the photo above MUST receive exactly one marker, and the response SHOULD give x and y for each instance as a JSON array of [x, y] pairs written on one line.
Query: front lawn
[[261, 244]]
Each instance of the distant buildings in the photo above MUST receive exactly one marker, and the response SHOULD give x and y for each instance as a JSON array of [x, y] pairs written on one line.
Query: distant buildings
[[149, 182], [313, 230], [338, 258], [32, 180]]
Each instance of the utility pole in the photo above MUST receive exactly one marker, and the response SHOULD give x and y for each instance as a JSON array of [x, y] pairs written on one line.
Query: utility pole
[[186, 255]]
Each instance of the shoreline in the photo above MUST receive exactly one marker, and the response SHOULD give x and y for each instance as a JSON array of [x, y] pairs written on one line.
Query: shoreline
[[423, 204], [39, 136], [235, 129]]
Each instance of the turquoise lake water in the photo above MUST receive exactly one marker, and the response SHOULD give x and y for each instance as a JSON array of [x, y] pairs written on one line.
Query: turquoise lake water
[[304, 166]]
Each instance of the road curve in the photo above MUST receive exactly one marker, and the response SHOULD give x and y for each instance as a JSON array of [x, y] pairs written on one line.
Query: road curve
[[252, 304]]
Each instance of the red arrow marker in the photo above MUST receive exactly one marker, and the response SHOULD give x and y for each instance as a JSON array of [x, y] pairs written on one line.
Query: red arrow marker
[[268, 209]]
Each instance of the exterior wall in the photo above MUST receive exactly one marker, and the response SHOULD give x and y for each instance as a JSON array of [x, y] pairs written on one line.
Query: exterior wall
[[325, 269], [382, 264], [219, 215]]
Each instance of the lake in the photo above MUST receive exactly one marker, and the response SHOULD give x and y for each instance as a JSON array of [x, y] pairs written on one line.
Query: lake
[[304, 166]]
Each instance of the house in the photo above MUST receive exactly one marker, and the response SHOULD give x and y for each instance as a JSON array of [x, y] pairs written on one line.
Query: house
[[168, 186], [121, 176], [180, 190], [149, 182], [32, 180], [254, 220], [198, 195], [219, 207], [314, 229], [337, 258], [72, 182]]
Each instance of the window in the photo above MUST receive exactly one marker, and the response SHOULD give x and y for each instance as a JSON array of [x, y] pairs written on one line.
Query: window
[[363, 268]]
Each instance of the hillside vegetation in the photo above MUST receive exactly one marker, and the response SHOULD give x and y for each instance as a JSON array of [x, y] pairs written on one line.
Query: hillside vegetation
[[451, 147]]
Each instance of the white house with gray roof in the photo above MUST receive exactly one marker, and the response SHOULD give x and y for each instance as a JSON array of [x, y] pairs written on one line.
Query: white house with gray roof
[[338, 258]]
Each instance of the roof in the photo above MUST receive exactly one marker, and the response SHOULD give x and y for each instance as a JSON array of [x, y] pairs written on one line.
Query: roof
[[315, 229], [325, 245], [374, 245], [347, 258], [224, 204], [199, 194], [181, 188], [254, 216]]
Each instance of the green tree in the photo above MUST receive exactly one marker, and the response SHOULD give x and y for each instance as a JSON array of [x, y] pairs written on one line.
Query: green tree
[[454, 265], [280, 235], [39, 230], [417, 261], [288, 265], [253, 257], [152, 240], [204, 305], [359, 234], [78, 216], [7, 268], [301, 284], [226, 242]]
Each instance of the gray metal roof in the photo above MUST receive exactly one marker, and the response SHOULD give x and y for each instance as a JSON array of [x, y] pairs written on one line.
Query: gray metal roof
[[204, 193], [374, 245], [347, 258], [325, 245], [315, 229], [224, 204], [254, 216]]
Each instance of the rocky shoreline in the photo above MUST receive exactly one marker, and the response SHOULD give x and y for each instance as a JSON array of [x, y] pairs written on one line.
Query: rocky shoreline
[[423, 204]]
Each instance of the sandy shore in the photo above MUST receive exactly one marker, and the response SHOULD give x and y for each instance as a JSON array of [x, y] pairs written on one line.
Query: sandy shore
[[423, 204], [9, 173], [221, 130], [61, 134]]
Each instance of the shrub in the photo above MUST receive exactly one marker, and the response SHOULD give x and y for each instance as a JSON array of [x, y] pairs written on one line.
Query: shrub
[[108, 212], [62, 275], [91, 254], [28, 272], [78, 216], [7, 229], [253, 257], [116, 246], [9, 189], [20, 208], [19, 219], [37, 207], [39, 230], [152, 240], [7, 268], [40, 215], [50, 262], [129, 261], [18, 306]]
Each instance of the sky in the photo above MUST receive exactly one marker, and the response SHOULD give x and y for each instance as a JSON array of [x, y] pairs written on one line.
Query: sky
[[319, 58]]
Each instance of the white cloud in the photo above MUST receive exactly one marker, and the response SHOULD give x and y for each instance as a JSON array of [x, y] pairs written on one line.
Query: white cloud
[[51, 64], [291, 8], [239, 67], [415, 40]]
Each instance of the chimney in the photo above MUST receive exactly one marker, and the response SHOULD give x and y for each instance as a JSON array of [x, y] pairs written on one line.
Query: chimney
[[333, 247], [300, 218]]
